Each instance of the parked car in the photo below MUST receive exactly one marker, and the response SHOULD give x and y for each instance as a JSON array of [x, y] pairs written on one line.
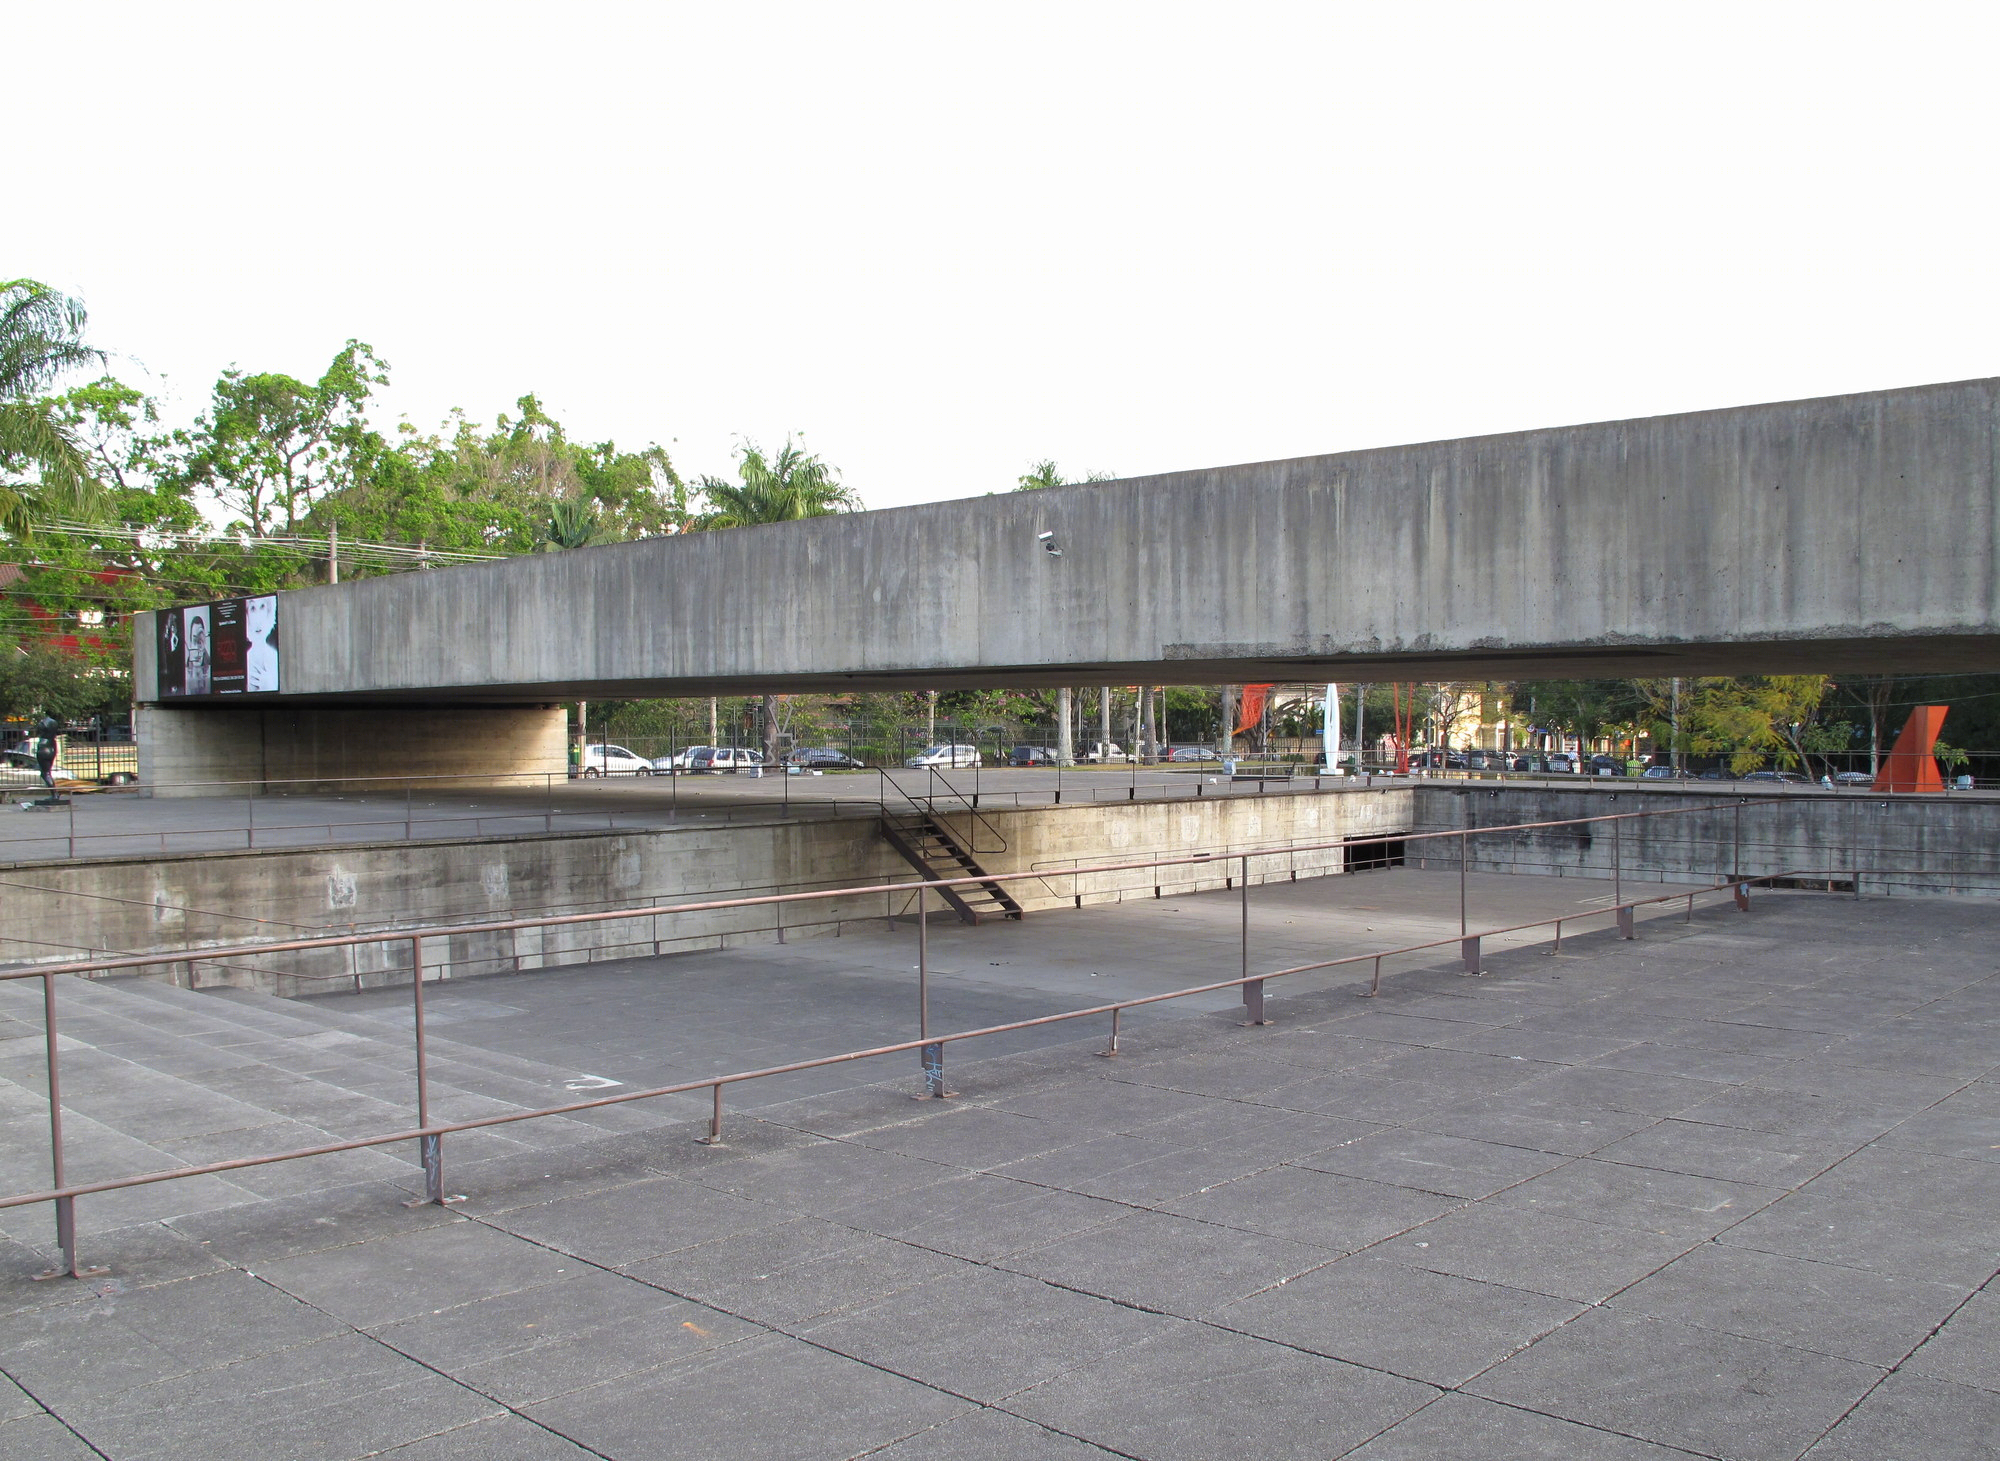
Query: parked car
[[18, 768], [717, 759], [602, 760], [1855, 778], [1098, 754], [1031, 756], [1717, 773], [1787, 778], [1191, 753], [1562, 763], [824, 758], [946, 756], [1603, 765], [664, 765], [1659, 773]]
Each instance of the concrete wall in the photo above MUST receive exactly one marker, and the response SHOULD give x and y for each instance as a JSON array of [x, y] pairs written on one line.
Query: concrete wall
[[184, 750], [1894, 845], [1851, 533], [142, 904]]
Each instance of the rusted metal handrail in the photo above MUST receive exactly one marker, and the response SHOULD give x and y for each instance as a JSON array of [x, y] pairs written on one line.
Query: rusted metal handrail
[[429, 1135]]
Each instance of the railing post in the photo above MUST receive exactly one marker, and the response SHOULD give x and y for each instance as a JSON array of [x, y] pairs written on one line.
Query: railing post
[[931, 1056], [1253, 991], [66, 1264], [1112, 1049], [714, 1137], [1468, 955], [1464, 856], [430, 1146], [1618, 862]]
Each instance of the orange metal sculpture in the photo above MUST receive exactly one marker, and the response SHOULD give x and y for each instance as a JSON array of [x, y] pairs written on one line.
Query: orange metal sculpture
[[1910, 765]]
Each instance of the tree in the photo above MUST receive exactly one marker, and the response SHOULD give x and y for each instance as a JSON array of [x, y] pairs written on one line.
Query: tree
[[792, 485], [43, 470], [270, 446], [787, 487], [1044, 474]]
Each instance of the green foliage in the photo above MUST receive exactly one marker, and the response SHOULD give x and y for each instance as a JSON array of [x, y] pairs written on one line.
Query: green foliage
[[1044, 474], [791, 485], [35, 680], [270, 446], [43, 469]]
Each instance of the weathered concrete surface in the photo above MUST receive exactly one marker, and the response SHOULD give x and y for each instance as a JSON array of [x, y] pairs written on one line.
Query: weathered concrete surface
[[1725, 1191], [1848, 533], [237, 750], [141, 904]]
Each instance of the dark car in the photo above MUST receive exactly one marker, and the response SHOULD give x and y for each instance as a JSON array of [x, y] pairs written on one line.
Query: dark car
[[1031, 756], [1787, 778], [1855, 778], [1659, 773], [824, 758], [1717, 773], [1603, 765]]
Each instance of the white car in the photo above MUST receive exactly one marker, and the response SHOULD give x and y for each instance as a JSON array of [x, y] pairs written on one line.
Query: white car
[[1099, 755], [725, 758], [18, 768], [679, 761], [945, 757], [601, 760]]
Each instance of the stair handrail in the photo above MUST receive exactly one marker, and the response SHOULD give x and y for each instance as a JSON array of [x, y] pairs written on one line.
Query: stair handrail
[[970, 808]]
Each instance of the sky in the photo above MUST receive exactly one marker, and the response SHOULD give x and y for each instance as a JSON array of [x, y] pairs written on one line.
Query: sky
[[943, 242]]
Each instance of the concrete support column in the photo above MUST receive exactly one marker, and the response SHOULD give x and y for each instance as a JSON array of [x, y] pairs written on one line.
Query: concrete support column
[[246, 750], [1103, 724], [1065, 727], [1225, 735]]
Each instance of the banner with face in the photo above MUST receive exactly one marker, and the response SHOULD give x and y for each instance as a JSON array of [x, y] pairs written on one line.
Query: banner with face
[[229, 647]]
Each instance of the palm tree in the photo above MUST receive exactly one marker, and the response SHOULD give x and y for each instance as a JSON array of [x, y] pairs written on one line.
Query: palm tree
[[573, 523], [41, 340], [792, 485], [788, 487]]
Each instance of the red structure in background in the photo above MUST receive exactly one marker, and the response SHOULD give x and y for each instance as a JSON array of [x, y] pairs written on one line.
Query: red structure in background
[[1254, 698], [1911, 766], [1405, 712]]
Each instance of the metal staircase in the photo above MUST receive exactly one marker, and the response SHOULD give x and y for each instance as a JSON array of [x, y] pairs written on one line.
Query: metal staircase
[[930, 847]]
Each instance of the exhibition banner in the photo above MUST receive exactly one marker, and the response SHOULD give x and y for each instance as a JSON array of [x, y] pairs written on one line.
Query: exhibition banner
[[226, 648]]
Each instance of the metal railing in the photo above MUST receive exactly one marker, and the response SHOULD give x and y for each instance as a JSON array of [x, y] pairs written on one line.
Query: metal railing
[[429, 1134]]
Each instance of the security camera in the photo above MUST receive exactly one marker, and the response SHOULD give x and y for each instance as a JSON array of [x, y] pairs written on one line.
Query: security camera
[[1048, 542]]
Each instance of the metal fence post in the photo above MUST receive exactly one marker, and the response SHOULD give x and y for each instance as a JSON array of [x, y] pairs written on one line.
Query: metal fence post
[[931, 1056], [1253, 991], [66, 1264], [714, 1137], [430, 1145]]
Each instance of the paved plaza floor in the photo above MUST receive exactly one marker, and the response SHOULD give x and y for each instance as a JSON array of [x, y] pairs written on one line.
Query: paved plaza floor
[[1729, 1190]]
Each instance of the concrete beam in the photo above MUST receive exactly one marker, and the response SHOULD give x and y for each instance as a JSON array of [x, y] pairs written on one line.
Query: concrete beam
[[1849, 534]]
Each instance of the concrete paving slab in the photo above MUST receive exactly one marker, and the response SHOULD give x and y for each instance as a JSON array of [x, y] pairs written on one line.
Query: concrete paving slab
[[640, 1220], [580, 1331], [1317, 1208], [978, 1217], [43, 1438], [990, 1435], [1343, 1311], [509, 1436], [1171, 1264], [1848, 1313], [1739, 1399], [1966, 1350], [1466, 1428], [1907, 1178], [1562, 1257], [388, 1278], [1875, 1235], [1671, 1204], [1449, 1166], [339, 1398], [775, 1398], [1195, 1393], [985, 1333], [1703, 1150], [798, 1271], [1509, 1119], [1909, 1416]]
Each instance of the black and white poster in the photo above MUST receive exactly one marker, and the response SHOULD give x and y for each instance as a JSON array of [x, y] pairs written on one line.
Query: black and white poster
[[226, 648]]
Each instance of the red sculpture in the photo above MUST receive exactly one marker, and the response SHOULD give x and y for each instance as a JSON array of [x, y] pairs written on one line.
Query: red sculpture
[[1911, 766]]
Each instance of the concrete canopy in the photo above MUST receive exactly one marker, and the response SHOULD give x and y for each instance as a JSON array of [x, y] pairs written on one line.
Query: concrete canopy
[[1847, 534]]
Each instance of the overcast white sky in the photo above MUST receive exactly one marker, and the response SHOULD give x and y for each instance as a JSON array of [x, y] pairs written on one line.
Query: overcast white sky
[[946, 240]]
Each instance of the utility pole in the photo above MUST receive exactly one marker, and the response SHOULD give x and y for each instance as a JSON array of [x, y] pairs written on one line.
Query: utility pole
[[1065, 737], [930, 717], [1103, 724], [333, 554], [1360, 745], [1225, 734]]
